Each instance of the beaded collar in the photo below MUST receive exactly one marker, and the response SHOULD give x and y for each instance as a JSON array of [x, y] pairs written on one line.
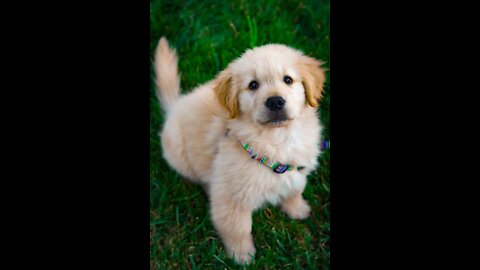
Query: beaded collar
[[275, 165]]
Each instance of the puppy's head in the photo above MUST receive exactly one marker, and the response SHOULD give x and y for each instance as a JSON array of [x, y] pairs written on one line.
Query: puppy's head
[[270, 85]]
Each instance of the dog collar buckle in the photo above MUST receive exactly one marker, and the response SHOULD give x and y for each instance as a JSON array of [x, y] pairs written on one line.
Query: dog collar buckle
[[280, 168]]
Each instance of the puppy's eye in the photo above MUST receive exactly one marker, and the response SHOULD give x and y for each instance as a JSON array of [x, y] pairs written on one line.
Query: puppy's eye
[[287, 80], [253, 85]]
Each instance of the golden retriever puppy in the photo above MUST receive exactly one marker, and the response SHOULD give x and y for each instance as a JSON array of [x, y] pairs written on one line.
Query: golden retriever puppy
[[249, 136]]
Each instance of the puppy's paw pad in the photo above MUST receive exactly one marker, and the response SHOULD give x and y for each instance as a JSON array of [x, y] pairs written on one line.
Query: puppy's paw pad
[[301, 210]]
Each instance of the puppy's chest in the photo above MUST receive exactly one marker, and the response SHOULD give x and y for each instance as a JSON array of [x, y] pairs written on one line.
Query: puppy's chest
[[272, 186], [297, 152], [286, 182]]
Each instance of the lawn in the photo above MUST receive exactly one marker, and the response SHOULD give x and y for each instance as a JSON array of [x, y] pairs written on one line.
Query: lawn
[[208, 35]]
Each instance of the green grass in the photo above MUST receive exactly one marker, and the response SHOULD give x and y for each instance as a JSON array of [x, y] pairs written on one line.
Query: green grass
[[208, 35]]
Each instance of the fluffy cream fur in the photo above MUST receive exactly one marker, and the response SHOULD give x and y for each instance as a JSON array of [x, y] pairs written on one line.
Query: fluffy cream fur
[[195, 140]]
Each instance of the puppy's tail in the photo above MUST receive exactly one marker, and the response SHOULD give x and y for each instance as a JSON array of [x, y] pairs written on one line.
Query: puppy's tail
[[166, 74]]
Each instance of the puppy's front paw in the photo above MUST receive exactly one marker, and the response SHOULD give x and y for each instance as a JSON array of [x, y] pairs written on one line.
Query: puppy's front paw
[[296, 209], [242, 252]]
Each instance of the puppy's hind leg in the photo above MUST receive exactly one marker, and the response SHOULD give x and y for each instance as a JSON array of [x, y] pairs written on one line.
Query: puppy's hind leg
[[174, 149], [295, 206]]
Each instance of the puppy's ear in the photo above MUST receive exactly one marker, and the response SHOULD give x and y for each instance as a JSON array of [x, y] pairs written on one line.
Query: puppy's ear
[[225, 94], [313, 79]]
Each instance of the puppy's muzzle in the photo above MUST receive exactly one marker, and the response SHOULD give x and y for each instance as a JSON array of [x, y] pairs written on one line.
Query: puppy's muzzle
[[276, 108]]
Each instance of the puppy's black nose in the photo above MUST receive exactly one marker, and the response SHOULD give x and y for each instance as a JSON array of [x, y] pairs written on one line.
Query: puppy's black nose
[[275, 103]]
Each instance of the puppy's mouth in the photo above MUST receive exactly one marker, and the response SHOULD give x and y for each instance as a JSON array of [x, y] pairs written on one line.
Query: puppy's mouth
[[277, 123], [277, 119]]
